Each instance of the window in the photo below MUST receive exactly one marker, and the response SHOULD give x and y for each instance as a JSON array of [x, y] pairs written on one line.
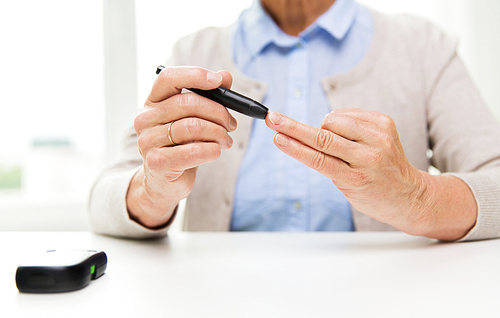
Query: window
[[52, 132]]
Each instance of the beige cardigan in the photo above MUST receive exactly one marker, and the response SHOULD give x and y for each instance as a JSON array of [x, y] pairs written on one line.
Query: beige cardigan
[[411, 72]]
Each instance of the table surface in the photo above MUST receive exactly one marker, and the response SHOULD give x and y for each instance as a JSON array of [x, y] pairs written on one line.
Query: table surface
[[342, 274]]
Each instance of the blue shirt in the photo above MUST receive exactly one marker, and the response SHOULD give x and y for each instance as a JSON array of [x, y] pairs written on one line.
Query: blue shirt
[[273, 191]]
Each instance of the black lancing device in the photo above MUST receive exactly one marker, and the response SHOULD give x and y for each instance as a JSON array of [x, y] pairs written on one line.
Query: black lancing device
[[231, 100]]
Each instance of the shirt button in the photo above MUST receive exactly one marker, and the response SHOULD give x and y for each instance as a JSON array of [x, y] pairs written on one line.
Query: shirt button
[[297, 93], [298, 46], [429, 153], [297, 205]]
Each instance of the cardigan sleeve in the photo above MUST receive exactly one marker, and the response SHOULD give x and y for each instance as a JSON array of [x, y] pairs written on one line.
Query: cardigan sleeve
[[107, 204], [465, 140]]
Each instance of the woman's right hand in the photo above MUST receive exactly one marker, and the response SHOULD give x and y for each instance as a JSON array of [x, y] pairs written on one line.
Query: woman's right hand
[[176, 132]]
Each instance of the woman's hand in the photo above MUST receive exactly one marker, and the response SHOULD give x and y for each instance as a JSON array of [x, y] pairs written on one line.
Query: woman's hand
[[361, 152], [176, 132]]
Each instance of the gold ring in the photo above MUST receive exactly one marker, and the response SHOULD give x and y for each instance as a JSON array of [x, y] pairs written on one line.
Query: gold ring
[[170, 136]]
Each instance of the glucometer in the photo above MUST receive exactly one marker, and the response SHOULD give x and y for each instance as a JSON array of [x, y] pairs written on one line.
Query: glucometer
[[230, 99], [60, 271]]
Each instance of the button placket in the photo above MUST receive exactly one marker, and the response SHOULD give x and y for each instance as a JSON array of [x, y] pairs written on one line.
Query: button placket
[[298, 109]]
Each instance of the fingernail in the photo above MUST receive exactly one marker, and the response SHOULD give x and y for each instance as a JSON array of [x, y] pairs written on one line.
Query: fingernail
[[229, 141], [275, 118], [282, 140], [213, 77], [233, 123]]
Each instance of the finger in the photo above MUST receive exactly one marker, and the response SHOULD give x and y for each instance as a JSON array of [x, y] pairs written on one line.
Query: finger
[[181, 106], [172, 80], [359, 125], [345, 125], [192, 129], [319, 139], [327, 165], [362, 114], [177, 159], [227, 79], [184, 131]]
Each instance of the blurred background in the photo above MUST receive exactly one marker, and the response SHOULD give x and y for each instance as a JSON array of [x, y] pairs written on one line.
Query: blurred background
[[73, 74]]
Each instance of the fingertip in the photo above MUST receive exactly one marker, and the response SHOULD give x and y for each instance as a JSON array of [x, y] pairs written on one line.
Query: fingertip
[[233, 124], [227, 79], [281, 140], [269, 122], [214, 78], [274, 119]]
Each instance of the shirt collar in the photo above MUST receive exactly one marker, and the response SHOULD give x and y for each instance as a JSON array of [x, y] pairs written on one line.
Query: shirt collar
[[260, 29], [339, 18]]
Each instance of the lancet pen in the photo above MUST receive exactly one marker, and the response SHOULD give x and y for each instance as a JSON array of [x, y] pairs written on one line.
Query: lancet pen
[[231, 100]]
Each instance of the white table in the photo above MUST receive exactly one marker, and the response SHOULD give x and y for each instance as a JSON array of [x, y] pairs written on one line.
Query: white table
[[265, 275]]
